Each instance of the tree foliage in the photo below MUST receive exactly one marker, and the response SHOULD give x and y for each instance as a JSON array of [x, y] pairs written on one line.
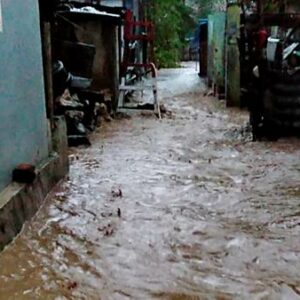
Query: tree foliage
[[205, 7], [173, 20]]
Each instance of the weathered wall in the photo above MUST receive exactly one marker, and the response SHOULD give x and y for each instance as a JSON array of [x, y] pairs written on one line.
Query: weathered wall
[[106, 64], [216, 38], [233, 76], [103, 34], [219, 48], [210, 50], [23, 125]]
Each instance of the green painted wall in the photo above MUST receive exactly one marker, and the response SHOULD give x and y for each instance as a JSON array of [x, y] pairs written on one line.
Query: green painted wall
[[219, 48], [23, 124], [210, 49], [216, 47]]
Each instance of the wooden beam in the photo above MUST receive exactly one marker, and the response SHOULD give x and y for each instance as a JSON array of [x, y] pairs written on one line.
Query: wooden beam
[[47, 62]]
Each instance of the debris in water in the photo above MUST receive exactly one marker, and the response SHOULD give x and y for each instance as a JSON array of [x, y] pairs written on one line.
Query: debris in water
[[109, 231], [177, 229], [72, 285], [72, 212], [117, 193], [73, 157], [91, 213], [163, 109], [106, 215]]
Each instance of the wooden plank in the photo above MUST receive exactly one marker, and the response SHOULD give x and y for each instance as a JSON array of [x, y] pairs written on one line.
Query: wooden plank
[[47, 62]]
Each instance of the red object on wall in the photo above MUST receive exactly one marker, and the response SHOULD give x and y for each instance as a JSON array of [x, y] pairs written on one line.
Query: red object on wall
[[132, 28], [262, 38], [138, 31]]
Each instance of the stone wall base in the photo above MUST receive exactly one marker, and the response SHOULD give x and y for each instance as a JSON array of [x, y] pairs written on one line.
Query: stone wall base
[[20, 202]]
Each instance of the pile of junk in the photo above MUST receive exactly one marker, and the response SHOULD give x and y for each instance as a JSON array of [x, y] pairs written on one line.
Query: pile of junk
[[270, 48], [75, 95], [81, 107]]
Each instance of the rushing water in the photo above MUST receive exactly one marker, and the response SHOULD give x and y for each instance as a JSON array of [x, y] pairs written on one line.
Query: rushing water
[[179, 209]]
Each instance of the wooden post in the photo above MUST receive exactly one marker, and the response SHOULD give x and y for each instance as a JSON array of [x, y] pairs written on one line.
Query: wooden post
[[282, 7], [259, 7], [47, 62], [233, 71]]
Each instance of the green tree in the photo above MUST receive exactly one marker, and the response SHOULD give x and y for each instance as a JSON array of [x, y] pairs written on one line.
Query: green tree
[[173, 20], [205, 7]]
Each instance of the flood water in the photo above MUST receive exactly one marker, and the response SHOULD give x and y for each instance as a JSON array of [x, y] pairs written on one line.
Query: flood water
[[183, 208]]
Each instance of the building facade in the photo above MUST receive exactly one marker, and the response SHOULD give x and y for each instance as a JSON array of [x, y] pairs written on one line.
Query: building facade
[[23, 123]]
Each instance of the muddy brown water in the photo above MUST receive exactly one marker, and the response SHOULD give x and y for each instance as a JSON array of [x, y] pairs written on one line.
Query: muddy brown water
[[179, 209]]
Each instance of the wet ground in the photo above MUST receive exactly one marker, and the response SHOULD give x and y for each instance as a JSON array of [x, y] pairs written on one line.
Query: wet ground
[[179, 209]]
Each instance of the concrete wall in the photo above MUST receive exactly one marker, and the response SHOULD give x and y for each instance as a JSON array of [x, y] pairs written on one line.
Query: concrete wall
[[113, 3], [103, 34], [233, 69], [105, 38], [23, 124]]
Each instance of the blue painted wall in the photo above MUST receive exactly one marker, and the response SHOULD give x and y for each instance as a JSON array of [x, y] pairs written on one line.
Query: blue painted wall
[[23, 124]]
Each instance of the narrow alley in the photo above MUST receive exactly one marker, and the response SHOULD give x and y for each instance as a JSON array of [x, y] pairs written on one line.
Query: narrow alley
[[186, 207]]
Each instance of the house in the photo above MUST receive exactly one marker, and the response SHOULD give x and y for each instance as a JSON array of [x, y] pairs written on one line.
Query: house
[[26, 133], [102, 29], [98, 29]]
